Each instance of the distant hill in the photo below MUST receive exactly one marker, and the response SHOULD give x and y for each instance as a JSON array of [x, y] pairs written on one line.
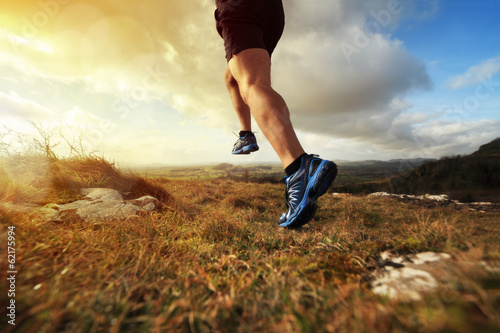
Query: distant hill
[[393, 164], [471, 177], [491, 149], [372, 175]]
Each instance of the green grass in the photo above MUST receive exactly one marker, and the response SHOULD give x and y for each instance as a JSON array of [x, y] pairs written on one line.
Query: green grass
[[214, 260]]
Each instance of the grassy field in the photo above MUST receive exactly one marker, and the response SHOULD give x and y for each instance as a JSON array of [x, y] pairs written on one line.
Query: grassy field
[[245, 173], [351, 172], [214, 260], [350, 179]]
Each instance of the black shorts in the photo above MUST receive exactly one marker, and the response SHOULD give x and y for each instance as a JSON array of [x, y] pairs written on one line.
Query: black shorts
[[246, 24]]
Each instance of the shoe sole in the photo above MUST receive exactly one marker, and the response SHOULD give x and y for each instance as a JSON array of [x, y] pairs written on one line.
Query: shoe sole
[[327, 171], [246, 150]]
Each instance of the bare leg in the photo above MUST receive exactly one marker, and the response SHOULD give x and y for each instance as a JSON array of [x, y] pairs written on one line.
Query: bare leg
[[242, 109], [252, 70]]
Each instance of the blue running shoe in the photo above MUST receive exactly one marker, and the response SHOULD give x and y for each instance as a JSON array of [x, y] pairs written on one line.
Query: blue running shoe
[[303, 189], [245, 145]]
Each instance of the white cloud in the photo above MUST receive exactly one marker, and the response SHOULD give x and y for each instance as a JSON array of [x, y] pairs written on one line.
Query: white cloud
[[179, 56], [476, 74], [428, 138], [169, 51], [80, 118], [442, 137], [359, 96], [15, 106]]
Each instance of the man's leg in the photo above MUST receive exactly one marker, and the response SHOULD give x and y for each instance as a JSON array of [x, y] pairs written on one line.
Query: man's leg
[[242, 109], [247, 143], [251, 69]]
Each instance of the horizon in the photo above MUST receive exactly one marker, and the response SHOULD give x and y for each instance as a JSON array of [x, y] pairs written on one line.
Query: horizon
[[339, 162], [378, 81]]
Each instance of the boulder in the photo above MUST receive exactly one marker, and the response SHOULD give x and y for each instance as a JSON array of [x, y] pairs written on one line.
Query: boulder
[[100, 204]]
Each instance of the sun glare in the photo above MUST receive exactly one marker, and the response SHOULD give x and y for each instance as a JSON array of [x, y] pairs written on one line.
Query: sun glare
[[44, 47], [122, 85], [13, 38], [31, 43]]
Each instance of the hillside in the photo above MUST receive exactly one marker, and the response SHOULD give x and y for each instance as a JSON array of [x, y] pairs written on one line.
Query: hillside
[[212, 259], [474, 177], [369, 176], [215, 261], [491, 149]]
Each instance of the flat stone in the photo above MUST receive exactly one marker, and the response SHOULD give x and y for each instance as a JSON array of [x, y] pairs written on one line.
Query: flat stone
[[406, 283], [104, 194], [424, 257], [441, 197], [103, 204], [408, 277], [99, 204]]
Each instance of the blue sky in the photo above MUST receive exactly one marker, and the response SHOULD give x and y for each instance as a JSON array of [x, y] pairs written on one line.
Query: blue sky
[[144, 82], [461, 34]]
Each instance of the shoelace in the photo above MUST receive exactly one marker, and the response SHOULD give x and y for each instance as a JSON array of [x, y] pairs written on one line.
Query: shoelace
[[286, 192], [237, 142], [283, 180], [239, 138]]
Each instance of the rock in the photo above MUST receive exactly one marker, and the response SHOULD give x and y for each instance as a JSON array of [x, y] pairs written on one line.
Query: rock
[[442, 197], [380, 194], [99, 204], [406, 283], [425, 257], [147, 202], [441, 200], [103, 204], [103, 194], [407, 278], [434, 197]]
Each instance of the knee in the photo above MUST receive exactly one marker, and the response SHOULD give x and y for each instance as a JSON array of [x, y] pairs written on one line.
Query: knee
[[257, 90], [230, 81]]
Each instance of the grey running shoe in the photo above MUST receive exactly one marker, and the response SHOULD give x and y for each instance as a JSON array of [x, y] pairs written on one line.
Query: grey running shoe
[[303, 189], [245, 145]]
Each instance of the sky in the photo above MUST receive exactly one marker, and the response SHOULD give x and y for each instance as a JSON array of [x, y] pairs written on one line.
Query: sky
[[141, 82]]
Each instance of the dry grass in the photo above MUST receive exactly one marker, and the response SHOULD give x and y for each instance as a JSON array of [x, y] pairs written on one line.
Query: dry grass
[[215, 261], [42, 180]]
